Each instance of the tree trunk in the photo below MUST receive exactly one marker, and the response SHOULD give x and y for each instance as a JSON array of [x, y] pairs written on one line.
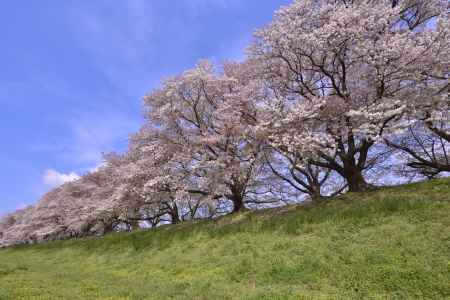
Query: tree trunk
[[238, 204], [315, 192], [237, 196], [134, 224], [356, 181], [174, 215]]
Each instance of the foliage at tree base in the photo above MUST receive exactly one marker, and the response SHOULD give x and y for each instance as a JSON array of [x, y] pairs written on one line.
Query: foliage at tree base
[[387, 244]]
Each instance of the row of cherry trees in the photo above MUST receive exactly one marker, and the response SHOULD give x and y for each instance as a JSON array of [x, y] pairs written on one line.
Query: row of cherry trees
[[332, 93]]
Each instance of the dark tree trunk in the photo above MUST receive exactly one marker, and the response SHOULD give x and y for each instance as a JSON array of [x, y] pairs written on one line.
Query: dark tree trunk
[[237, 195], [172, 210], [238, 204], [175, 216], [351, 172], [107, 228], [355, 181], [134, 224], [352, 162], [315, 192]]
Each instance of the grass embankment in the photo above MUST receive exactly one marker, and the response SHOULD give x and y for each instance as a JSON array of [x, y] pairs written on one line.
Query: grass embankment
[[389, 244]]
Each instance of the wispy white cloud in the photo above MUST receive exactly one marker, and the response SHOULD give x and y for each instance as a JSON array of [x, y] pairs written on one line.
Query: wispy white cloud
[[22, 205], [117, 36], [86, 136], [98, 133], [53, 178], [130, 39], [96, 167]]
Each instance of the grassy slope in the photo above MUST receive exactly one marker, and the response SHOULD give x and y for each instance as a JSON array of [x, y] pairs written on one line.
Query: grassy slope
[[393, 243]]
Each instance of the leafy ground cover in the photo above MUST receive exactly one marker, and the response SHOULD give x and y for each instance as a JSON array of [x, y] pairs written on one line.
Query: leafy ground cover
[[393, 243]]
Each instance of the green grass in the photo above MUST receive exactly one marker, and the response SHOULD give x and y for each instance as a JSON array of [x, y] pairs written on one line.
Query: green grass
[[388, 244]]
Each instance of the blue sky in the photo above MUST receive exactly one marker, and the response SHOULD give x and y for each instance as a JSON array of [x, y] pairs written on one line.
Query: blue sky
[[73, 74]]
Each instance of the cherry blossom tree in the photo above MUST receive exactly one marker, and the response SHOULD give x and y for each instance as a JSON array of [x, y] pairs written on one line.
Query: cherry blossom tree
[[422, 151], [78, 208], [414, 13], [154, 181], [344, 74], [330, 88], [209, 116], [300, 178]]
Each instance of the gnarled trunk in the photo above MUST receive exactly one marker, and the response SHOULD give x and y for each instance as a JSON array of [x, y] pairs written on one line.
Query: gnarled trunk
[[174, 215], [238, 205], [237, 197], [314, 192], [172, 210], [353, 160], [355, 180]]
